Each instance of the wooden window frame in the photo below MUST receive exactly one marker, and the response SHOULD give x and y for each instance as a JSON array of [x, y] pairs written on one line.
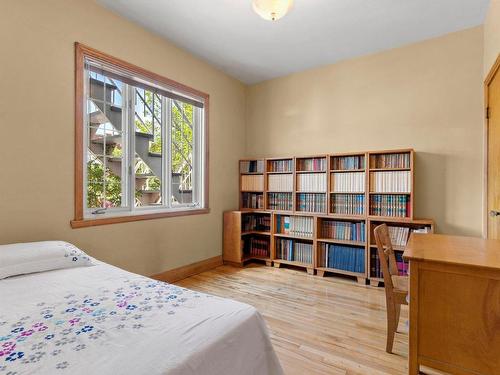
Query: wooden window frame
[[81, 52]]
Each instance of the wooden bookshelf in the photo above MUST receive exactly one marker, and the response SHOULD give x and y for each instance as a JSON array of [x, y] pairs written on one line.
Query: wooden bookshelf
[[240, 229], [296, 229], [357, 187], [251, 184], [390, 183], [405, 228], [280, 184], [339, 240], [311, 184]]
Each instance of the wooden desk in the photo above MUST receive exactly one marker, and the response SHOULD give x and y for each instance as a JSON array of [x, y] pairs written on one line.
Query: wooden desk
[[454, 304]]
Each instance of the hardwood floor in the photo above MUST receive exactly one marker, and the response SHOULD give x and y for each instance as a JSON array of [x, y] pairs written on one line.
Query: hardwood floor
[[323, 326]]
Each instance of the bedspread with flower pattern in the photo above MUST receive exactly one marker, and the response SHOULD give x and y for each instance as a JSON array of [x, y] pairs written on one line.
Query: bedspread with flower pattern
[[78, 321]]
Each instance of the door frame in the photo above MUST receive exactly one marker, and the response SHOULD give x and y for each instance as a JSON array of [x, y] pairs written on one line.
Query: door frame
[[489, 78]]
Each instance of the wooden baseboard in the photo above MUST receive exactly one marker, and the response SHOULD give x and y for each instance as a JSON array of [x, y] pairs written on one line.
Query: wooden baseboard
[[171, 276]]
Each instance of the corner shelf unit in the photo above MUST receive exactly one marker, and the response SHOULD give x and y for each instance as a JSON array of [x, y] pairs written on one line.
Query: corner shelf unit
[[343, 194], [400, 232], [247, 236]]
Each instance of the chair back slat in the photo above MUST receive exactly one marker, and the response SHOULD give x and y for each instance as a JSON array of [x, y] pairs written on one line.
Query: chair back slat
[[386, 255]]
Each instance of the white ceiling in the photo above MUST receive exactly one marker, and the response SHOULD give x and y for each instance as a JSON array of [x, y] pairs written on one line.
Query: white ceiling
[[229, 35]]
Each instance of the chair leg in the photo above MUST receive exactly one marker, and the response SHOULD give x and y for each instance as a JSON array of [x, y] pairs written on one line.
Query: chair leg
[[391, 326], [398, 313]]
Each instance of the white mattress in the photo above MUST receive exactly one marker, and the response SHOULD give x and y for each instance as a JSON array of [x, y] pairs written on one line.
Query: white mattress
[[103, 320]]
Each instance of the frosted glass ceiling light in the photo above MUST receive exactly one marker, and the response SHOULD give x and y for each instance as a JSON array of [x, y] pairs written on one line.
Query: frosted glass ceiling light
[[272, 10]]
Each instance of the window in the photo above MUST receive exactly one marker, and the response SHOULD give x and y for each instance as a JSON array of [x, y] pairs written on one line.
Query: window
[[141, 143]]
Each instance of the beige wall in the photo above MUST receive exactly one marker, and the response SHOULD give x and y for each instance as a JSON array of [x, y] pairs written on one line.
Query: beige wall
[[37, 121], [491, 35], [427, 96]]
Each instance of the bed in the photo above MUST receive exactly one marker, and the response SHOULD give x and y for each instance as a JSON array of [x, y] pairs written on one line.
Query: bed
[[103, 320]]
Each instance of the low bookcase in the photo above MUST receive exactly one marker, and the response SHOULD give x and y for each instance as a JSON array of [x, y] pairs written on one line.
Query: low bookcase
[[247, 236], [321, 211]]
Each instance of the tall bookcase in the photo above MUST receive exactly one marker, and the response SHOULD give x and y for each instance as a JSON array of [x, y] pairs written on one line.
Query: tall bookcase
[[323, 208]]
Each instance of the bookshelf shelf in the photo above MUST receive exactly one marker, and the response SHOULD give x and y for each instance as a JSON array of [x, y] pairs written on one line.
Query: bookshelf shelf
[[389, 169], [346, 170], [246, 233], [389, 193], [318, 171], [293, 263], [352, 189], [293, 236], [359, 275], [342, 242]]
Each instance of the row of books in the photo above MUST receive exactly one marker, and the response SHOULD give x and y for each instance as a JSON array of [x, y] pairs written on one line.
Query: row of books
[[252, 200], [390, 182], [347, 258], [311, 164], [311, 202], [348, 162], [256, 222], [295, 225], [391, 205], [280, 201], [296, 251], [350, 182], [348, 204], [343, 230], [256, 246], [280, 182], [252, 166], [399, 235], [390, 160], [376, 269], [252, 183], [311, 182], [285, 165]]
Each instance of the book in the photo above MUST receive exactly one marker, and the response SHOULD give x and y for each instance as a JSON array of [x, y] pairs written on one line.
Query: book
[[350, 182], [343, 257], [390, 205], [348, 162], [256, 246], [348, 204], [251, 166], [311, 202], [301, 226], [256, 222], [296, 251], [398, 235], [252, 183], [252, 200], [391, 182], [343, 230], [312, 182], [280, 201], [280, 182], [285, 165], [311, 164], [376, 269], [387, 161]]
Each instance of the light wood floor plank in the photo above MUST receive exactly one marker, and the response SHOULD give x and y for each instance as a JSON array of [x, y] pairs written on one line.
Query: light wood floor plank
[[318, 326]]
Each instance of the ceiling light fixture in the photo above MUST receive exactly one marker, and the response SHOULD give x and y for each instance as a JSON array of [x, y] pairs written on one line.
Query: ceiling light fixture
[[272, 10]]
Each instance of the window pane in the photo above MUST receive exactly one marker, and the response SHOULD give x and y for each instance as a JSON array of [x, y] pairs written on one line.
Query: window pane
[[182, 117], [148, 148], [105, 143]]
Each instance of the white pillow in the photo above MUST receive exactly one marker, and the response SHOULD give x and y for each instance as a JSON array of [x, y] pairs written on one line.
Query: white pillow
[[23, 258]]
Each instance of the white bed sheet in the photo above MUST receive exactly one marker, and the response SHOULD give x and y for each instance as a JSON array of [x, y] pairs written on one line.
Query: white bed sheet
[[103, 320]]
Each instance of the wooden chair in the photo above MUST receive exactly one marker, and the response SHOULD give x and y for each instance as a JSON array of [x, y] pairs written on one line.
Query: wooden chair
[[396, 287]]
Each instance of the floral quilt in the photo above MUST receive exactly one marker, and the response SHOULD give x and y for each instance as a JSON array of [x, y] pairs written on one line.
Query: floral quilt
[[101, 319]]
